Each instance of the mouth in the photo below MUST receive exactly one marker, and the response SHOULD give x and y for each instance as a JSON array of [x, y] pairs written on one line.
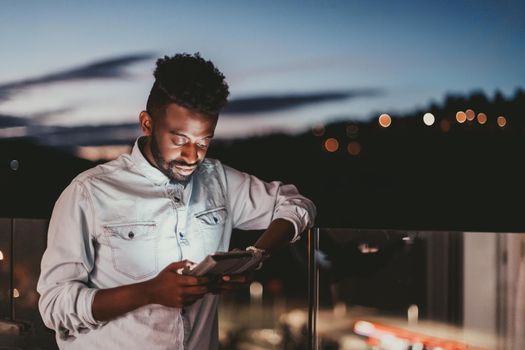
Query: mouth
[[185, 170]]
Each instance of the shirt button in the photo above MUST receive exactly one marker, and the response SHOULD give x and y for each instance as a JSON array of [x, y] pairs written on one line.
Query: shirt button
[[131, 234]]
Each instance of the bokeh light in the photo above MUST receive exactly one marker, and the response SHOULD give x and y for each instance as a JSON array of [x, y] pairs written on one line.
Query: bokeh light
[[256, 290], [482, 118], [340, 310], [331, 145], [502, 121], [444, 125], [364, 328], [318, 130], [461, 117], [354, 148], [429, 119], [385, 120], [471, 115], [413, 314], [16, 293], [352, 131]]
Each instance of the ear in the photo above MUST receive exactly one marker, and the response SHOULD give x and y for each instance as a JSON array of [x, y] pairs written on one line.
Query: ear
[[146, 123]]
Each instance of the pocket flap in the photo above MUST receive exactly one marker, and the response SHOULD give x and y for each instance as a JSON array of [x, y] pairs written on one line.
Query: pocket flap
[[213, 216], [131, 230]]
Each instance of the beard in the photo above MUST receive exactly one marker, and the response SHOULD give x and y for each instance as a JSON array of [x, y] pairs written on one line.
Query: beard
[[168, 167]]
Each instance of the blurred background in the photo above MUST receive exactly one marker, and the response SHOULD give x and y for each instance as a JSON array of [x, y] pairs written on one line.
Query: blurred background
[[403, 116]]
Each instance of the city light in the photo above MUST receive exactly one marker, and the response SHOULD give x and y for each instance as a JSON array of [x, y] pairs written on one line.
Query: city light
[[95, 153], [461, 117], [444, 125], [470, 114], [270, 335], [364, 328], [413, 314], [295, 318], [340, 310], [366, 248], [256, 291], [502, 121], [352, 131], [318, 130], [1, 256], [385, 120], [429, 119], [331, 145], [482, 118], [14, 164], [399, 338], [354, 148], [16, 293]]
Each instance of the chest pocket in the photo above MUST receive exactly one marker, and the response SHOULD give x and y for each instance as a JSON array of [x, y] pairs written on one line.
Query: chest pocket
[[133, 248], [210, 224]]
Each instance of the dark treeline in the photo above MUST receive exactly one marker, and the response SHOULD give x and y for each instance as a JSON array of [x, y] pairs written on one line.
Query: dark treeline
[[450, 175]]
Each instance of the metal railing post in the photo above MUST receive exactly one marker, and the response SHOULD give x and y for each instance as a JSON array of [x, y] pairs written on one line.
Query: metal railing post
[[313, 287]]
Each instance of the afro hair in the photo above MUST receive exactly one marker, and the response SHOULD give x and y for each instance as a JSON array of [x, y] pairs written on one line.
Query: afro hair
[[189, 81]]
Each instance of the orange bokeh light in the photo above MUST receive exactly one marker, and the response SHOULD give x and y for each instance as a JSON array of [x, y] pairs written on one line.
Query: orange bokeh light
[[471, 115], [318, 130], [444, 125], [502, 121], [461, 117], [385, 120], [482, 118], [331, 145], [354, 148]]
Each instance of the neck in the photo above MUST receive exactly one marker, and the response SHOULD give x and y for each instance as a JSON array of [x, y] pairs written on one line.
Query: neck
[[145, 148]]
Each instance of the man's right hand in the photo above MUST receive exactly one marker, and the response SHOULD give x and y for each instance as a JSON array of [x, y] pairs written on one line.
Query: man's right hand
[[170, 288]]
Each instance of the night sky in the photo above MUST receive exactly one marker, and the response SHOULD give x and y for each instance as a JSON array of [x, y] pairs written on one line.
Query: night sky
[[290, 64]]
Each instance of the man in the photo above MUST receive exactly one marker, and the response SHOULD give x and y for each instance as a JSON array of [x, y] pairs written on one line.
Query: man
[[121, 232]]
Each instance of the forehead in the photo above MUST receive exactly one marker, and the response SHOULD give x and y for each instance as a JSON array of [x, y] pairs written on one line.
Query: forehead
[[185, 121]]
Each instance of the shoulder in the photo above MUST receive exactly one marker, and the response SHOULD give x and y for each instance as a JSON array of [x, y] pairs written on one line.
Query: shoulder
[[103, 171]]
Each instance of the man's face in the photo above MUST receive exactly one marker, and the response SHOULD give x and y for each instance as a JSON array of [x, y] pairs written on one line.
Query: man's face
[[179, 141]]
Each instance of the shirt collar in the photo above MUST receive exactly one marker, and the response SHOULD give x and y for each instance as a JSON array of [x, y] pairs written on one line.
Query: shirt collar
[[145, 168]]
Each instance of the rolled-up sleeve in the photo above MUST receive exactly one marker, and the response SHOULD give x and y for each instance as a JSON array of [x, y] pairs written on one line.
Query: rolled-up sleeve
[[255, 203], [65, 298]]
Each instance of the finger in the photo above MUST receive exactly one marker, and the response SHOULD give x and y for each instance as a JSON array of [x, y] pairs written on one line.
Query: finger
[[195, 291], [193, 280]]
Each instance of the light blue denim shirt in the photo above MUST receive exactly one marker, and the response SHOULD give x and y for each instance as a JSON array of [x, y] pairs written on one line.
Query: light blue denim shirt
[[123, 222]]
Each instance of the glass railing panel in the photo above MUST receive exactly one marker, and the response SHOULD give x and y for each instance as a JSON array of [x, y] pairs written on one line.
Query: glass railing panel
[[381, 289], [5, 267], [272, 313]]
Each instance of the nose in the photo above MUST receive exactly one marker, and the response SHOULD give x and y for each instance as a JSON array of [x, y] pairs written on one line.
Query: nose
[[189, 153]]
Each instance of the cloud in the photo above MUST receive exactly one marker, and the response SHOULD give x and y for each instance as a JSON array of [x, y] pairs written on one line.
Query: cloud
[[274, 103], [103, 69], [65, 136], [9, 121]]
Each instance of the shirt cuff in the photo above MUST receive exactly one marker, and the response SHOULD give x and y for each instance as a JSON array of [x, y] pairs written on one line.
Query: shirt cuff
[[299, 222], [86, 297]]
